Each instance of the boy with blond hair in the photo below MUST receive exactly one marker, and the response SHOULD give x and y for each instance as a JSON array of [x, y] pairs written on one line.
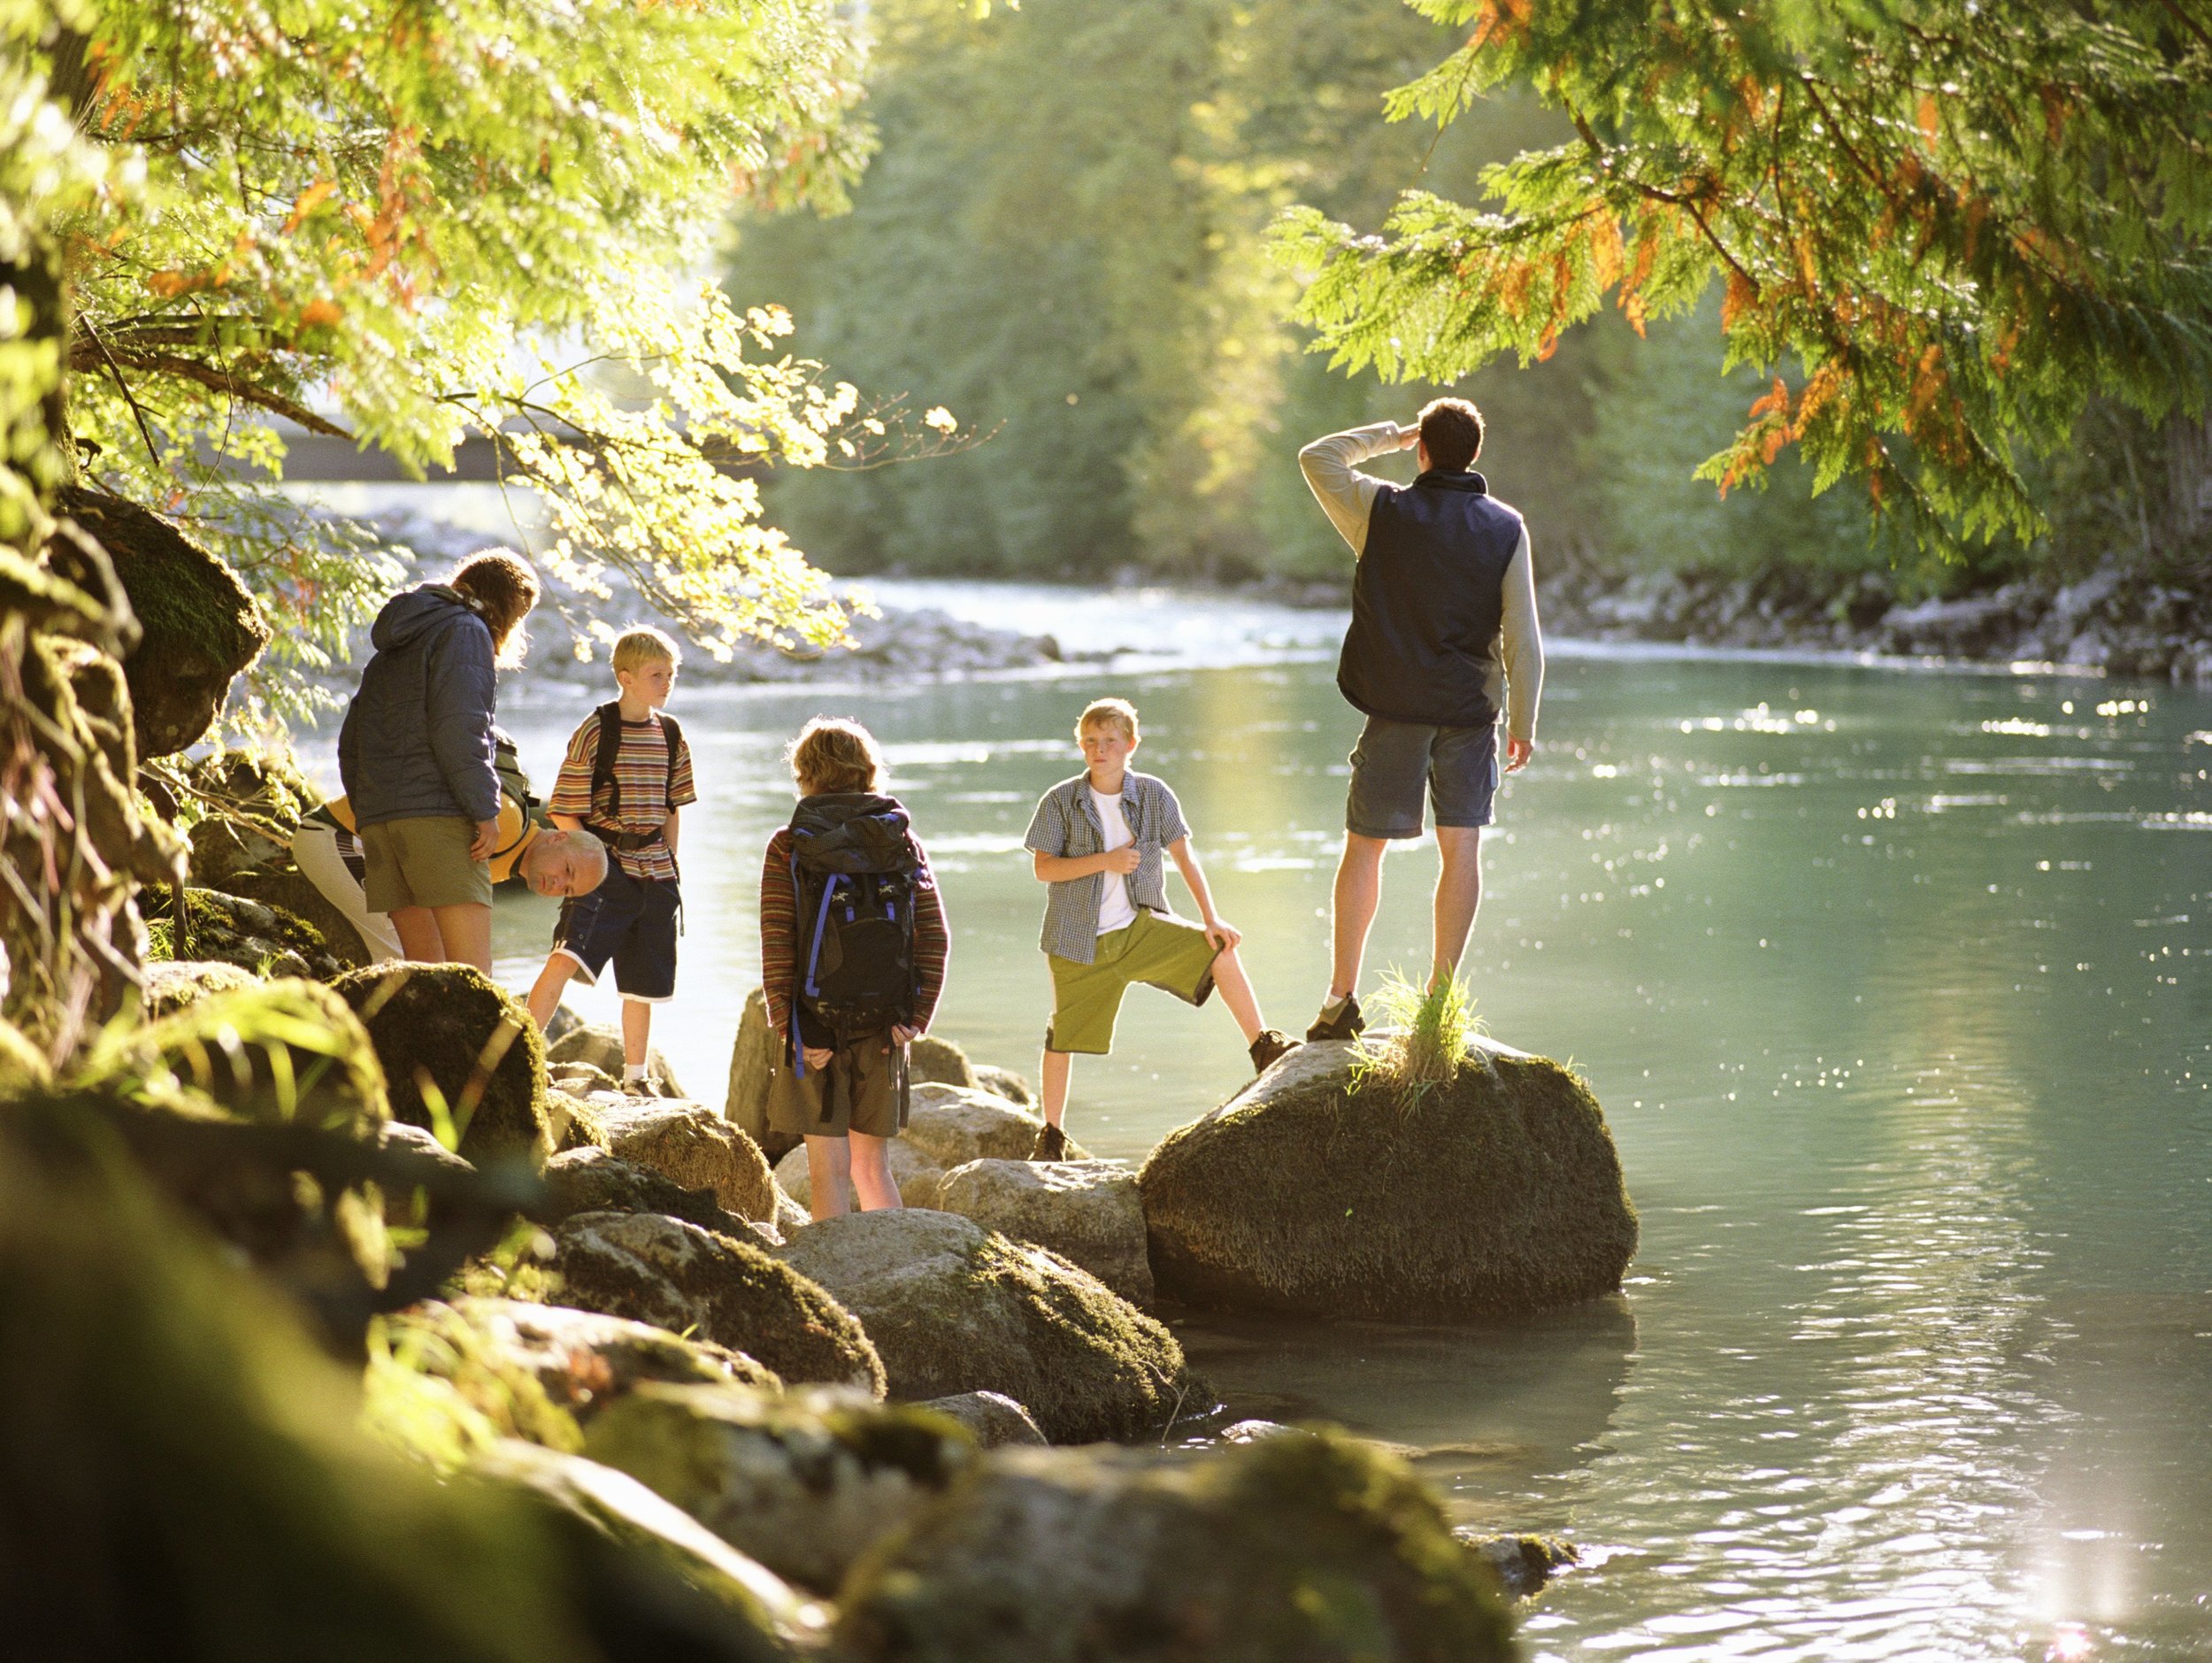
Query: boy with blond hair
[[626, 779], [1097, 840]]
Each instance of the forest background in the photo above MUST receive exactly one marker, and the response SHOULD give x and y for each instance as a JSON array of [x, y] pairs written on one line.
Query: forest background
[[1063, 237]]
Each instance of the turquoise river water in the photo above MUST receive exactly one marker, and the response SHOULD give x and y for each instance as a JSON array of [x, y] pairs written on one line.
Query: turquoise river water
[[1894, 987]]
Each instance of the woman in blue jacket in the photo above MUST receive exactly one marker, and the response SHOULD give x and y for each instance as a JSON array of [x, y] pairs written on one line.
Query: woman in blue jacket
[[417, 759]]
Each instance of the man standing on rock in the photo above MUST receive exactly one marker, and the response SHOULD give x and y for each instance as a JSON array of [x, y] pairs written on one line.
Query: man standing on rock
[[1443, 637]]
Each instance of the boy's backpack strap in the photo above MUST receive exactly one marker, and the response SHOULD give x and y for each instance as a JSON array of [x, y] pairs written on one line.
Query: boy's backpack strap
[[675, 733], [603, 760]]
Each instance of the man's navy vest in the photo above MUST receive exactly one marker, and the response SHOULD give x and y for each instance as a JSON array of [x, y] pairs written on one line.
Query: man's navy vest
[[1427, 600]]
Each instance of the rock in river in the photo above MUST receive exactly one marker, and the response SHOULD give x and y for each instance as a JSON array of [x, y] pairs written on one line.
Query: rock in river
[[680, 1277], [691, 1144], [805, 1484], [1316, 1191], [954, 1307], [448, 1034], [1088, 1211], [1313, 1548]]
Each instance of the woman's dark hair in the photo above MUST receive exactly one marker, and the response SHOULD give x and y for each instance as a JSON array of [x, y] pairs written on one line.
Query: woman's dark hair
[[501, 588]]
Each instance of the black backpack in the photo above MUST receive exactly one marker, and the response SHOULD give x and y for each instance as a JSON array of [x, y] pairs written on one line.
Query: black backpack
[[603, 781], [854, 874]]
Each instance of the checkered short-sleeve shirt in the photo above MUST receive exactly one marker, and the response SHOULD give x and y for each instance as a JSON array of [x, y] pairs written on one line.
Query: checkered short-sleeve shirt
[[1066, 823]]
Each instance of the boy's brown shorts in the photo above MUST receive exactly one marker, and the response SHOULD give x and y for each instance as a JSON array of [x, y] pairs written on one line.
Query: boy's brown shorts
[[863, 1090]]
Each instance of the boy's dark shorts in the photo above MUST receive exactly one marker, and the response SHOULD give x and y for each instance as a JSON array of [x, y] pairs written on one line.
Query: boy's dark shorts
[[631, 920], [1394, 761], [863, 1090]]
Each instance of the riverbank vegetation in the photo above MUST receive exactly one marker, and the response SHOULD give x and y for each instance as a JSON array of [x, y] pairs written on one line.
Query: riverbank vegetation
[[1067, 230]]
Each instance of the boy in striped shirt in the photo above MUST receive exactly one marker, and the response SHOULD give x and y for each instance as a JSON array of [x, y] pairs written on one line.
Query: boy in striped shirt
[[626, 778]]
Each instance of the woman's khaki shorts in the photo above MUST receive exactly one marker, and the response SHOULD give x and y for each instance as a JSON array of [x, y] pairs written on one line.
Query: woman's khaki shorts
[[861, 1090], [423, 863], [1172, 954]]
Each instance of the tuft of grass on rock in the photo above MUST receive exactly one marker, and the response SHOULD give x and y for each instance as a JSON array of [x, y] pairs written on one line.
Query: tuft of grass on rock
[[1420, 1040]]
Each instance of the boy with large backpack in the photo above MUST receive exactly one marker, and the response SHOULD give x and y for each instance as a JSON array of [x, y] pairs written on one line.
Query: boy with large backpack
[[624, 778], [853, 947]]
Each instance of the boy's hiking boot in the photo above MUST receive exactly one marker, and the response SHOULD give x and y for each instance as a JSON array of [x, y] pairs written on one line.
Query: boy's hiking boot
[[1051, 1144], [1272, 1043], [1340, 1019]]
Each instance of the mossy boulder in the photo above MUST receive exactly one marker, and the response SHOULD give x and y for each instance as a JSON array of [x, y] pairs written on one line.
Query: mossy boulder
[[1004, 1082], [264, 940], [185, 1477], [1320, 1192], [934, 1060], [677, 1276], [993, 1418], [592, 1180], [1088, 1211], [583, 1360], [805, 1484], [172, 984], [283, 887], [199, 626], [599, 1046], [574, 1122], [1524, 1565], [272, 1051], [752, 1061], [692, 1145], [954, 1307], [1315, 1548], [450, 1034], [954, 1125], [749, 1596]]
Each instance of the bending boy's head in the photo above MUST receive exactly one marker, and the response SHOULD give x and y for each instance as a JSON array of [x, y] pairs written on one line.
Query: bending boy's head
[[500, 587], [645, 664], [833, 756], [1451, 435]]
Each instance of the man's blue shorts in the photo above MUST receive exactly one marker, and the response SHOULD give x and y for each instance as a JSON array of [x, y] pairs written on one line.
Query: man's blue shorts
[[631, 920], [1394, 761]]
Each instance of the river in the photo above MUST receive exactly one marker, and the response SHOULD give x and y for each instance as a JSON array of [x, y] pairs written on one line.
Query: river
[[1894, 986]]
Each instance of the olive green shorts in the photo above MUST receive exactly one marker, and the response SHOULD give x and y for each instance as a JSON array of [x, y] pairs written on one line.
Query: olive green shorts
[[1172, 954], [863, 1090], [423, 863]]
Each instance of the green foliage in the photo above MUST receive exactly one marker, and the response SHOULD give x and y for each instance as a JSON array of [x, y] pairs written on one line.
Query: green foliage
[[1420, 1042], [419, 227], [442, 1391], [1940, 231]]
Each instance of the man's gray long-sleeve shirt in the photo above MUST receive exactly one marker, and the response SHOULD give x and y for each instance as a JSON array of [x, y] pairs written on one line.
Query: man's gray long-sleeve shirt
[[1515, 679]]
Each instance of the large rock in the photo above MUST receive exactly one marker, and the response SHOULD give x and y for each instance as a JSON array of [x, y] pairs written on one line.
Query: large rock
[[691, 1144], [1088, 1211], [592, 1180], [618, 1507], [281, 885], [200, 626], [1312, 1548], [916, 1175], [1315, 1192], [752, 1061], [954, 1307], [954, 1125], [264, 940], [804, 1484], [452, 1039], [680, 1277], [586, 1359], [930, 1059], [598, 1045], [993, 1418], [1004, 1082], [172, 984]]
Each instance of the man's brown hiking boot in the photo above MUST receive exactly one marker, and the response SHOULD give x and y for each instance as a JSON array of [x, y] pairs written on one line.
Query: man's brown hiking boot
[[1051, 1144], [1340, 1019], [1272, 1043]]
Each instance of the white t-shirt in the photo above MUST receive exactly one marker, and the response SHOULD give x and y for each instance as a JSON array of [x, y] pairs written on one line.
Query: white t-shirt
[[1116, 909]]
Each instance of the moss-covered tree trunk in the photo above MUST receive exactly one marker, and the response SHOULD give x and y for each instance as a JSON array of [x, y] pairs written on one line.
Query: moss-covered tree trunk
[[73, 844]]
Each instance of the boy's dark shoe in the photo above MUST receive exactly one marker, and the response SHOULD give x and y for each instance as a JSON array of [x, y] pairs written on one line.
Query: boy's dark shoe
[[1272, 1043], [1051, 1144], [1340, 1019]]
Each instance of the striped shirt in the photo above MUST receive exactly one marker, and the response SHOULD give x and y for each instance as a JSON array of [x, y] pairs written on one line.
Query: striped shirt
[[780, 934], [640, 769], [1067, 823]]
